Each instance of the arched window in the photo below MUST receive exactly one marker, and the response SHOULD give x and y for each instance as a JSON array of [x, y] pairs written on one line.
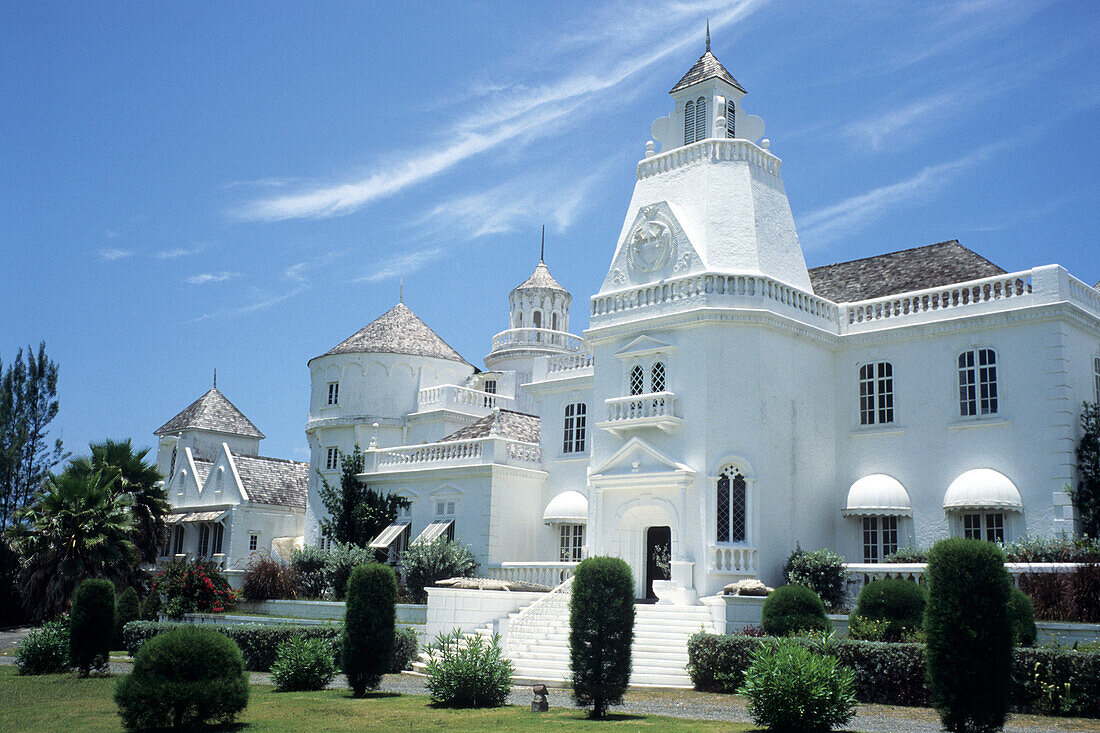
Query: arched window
[[537, 319], [637, 380], [701, 119], [977, 383], [658, 374], [731, 119], [689, 123], [554, 321], [732, 506], [172, 468]]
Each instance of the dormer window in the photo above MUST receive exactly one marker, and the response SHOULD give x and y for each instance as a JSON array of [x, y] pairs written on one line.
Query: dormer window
[[695, 120], [689, 123]]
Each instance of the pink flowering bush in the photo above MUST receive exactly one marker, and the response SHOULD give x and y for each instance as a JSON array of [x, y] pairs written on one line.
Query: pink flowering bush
[[193, 587]]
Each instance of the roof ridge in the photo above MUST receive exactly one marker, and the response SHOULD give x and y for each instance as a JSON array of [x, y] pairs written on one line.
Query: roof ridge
[[898, 252], [397, 331]]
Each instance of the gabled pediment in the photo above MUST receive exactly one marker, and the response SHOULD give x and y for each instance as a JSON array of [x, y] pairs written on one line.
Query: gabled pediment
[[643, 345], [655, 245], [637, 457]]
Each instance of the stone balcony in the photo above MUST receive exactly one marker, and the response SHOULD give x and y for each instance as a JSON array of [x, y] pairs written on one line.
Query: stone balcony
[[533, 341], [453, 453], [653, 410], [454, 398]]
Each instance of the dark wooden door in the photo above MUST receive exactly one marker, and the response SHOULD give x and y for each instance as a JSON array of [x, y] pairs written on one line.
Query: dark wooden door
[[655, 537]]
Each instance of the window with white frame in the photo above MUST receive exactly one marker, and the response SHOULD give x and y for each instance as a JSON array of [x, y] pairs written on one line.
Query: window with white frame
[[689, 122], [177, 540], [1096, 379], [657, 377], [572, 542], [172, 467], [332, 458], [731, 117], [218, 534], [732, 506], [253, 541], [984, 526], [701, 119], [204, 539], [324, 540], [333, 393], [536, 319], [575, 429], [880, 537], [977, 383], [445, 510], [491, 386], [554, 321], [637, 380], [876, 393]]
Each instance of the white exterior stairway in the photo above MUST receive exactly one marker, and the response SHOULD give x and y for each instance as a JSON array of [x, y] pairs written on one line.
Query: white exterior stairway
[[659, 653]]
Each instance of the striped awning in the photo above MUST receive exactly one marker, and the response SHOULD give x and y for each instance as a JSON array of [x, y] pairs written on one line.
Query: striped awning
[[433, 531], [389, 535], [180, 517]]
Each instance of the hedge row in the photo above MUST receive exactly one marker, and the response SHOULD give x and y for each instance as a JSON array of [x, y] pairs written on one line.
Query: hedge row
[[893, 673], [260, 642]]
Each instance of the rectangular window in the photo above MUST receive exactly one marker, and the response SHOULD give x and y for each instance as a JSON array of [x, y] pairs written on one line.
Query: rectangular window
[[445, 510], [984, 526], [204, 539], [972, 526], [253, 542], [572, 542], [219, 533], [1096, 380], [723, 505], [332, 459], [889, 536], [870, 539], [574, 433], [178, 548], [978, 383], [323, 540], [876, 393], [491, 386], [333, 393], [995, 527]]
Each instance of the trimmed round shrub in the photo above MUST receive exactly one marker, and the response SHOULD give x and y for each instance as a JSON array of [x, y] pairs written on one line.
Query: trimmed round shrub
[[821, 571], [601, 631], [183, 679], [45, 650], [405, 648], [127, 610], [791, 609], [900, 603], [369, 621], [92, 625], [790, 687], [969, 648], [426, 562], [303, 664], [466, 672], [1021, 617], [266, 578]]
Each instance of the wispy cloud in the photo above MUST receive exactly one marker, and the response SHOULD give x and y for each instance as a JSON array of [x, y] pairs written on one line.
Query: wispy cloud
[[518, 112], [211, 277], [114, 254], [262, 303], [298, 270], [401, 265], [173, 254]]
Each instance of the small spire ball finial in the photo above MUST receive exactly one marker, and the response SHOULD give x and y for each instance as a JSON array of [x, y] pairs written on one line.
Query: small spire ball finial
[[401, 290], [708, 34], [542, 246], [215, 377]]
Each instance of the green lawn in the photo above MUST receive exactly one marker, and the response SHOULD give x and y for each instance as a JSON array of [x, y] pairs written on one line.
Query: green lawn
[[66, 702]]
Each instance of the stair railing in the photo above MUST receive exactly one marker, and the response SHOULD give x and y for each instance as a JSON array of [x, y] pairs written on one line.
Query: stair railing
[[534, 620]]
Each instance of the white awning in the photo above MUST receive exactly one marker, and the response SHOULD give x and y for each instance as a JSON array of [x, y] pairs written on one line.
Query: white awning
[[179, 517], [433, 531], [878, 495], [388, 535], [983, 488], [568, 507]]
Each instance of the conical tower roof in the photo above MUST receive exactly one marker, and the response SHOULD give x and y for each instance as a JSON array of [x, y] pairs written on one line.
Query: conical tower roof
[[397, 331], [540, 278], [213, 411], [707, 67]]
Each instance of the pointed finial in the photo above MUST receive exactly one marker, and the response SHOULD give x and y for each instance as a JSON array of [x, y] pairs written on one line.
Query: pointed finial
[[542, 247], [401, 290], [215, 377], [708, 34]]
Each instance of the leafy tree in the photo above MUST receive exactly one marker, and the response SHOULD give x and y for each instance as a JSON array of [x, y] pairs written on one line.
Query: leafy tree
[[1086, 497], [77, 528], [92, 625], [127, 609], [601, 631], [369, 619], [138, 478], [426, 562], [357, 513]]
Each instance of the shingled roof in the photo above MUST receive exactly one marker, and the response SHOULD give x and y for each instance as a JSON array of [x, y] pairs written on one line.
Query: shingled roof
[[202, 470], [212, 411], [397, 331], [707, 67], [931, 266], [540, 278], [505, 423], [274, 480]]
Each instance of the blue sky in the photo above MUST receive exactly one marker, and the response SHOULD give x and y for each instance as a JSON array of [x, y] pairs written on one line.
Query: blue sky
[[240, 185]]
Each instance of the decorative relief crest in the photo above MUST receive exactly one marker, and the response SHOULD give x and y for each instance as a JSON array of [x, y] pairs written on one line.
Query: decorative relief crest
[[652, 242], [618, 277], [683, 262]]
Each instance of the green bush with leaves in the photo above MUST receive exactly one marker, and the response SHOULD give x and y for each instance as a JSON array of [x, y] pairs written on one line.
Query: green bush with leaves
[[369, 621], [467, 672], [1086, 494], [150, 607], [266, 578], [303, 664], [183, 679], [969, 650], [1021, 617], [127, 610], [790, 687], [309, 563], [92, 625], [908, 554], [193, 586], [791, 609], [339, 562], [1053, 549], [45, 650], [426, 562], [900, 603], [821, 571], [601, 632], [405, 649]]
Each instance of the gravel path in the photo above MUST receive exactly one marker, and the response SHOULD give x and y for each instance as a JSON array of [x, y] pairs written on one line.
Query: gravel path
[[708, 706]]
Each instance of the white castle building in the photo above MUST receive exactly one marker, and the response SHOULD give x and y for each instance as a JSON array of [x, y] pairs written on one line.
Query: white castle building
[[726, 402]]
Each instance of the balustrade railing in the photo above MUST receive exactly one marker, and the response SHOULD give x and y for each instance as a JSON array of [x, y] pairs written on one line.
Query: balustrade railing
[[475, 450], [537, 337], [550, 574], [860, 574], [568, 362], [640, 407], [953, 296], [546, 613], [733, 559], [453, 395], [710, 150]]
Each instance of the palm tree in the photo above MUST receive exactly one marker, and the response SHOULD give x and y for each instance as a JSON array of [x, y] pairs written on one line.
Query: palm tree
[[140, 480], [78, 527]]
